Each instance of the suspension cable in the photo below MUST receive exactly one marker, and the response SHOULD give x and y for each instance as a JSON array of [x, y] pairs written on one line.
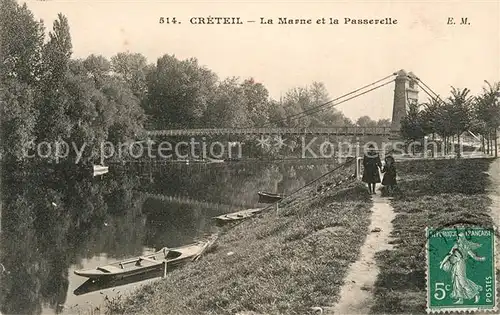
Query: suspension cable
[[435, 97], [338, 98], [348, 99], [314, 109], [322, 106], [426, 92], [349, 161]]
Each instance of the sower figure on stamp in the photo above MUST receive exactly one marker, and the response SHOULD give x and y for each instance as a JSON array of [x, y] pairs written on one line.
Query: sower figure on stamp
[[455, 263], [371, 166], [389, 171]]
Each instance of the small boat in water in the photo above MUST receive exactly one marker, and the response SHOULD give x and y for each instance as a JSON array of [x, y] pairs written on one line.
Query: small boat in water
[[237, 216], [146, 263], [100, 170], [265, 197], [215, 161], [92, 285]]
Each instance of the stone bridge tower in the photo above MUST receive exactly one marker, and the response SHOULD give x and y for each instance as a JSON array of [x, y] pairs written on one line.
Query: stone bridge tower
[[405, 92]]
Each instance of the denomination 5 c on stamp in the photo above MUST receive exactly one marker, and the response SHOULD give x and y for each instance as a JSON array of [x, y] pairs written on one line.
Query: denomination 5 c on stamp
[[461, 269]]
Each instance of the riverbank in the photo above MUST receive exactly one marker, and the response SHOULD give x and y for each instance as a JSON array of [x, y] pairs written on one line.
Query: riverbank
[[285, 262], [434, 193]]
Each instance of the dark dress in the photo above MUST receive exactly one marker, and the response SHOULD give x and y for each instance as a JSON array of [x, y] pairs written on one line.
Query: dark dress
[[371, 164], [389, 175]]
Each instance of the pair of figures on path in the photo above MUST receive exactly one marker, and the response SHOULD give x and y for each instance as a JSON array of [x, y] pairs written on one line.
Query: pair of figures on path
[[371, 167]]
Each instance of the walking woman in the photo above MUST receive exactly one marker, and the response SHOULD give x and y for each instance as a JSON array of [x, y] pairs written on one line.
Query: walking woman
[[371, 166], [455, 263]]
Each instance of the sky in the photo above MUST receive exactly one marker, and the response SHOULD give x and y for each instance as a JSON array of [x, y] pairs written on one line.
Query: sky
[[344, 57]]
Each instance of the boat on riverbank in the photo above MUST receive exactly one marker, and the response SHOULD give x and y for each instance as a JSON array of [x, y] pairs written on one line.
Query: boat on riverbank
[[146, 263], [237, 216], [265, 197], [92, 285], [216, 161], [99, 170]]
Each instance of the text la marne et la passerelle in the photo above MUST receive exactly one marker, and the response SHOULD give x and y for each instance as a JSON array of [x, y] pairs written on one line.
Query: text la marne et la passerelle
[[211, 20]]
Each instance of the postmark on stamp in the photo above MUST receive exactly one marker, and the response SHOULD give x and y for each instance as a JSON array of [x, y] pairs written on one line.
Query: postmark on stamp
[[461, 269]]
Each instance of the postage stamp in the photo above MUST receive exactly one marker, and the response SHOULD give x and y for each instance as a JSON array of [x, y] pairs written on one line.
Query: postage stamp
[[461, 269]]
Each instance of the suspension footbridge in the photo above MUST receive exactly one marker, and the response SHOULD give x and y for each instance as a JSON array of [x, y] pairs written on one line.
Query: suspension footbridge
[[405, 92]]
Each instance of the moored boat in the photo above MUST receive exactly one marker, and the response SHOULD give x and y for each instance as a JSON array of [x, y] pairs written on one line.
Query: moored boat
[[99, 170], [237, 216], [265, 197], [215, 161], [145, 263], [92, 285]]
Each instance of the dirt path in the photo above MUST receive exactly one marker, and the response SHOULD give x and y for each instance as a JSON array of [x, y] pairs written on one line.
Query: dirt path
[[494, 194], [355, 295]]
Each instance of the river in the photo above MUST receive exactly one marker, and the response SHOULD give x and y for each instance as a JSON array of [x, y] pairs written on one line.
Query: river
[[55, 221]]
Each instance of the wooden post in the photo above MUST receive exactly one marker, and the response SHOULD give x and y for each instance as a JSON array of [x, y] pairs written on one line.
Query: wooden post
[[165, 269], [356, 163], [496, 143], [277, 207], [356, 156]]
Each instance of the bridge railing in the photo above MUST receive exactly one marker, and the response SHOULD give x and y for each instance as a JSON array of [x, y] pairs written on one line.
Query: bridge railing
[[341, 130]]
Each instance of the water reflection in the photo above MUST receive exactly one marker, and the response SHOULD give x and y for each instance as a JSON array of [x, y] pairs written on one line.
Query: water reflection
[[55, 221], [92, 286]]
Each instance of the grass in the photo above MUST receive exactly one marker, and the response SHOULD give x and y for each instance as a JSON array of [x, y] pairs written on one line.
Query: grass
[[433, 193], [277, 263]]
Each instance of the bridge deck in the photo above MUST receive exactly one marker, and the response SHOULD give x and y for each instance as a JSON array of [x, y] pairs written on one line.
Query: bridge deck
[[341, 131]]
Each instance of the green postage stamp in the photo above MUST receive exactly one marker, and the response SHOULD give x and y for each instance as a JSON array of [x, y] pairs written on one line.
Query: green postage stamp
[[461, 270]]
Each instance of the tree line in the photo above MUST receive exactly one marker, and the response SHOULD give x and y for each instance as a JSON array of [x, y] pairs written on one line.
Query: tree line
[[49, 96], [459, 113]]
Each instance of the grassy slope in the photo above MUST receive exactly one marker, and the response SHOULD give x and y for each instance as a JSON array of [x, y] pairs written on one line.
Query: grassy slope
[[281, 263], [434, 193]]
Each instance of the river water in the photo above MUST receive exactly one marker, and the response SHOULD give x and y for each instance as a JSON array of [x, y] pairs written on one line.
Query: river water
[[55, 221]]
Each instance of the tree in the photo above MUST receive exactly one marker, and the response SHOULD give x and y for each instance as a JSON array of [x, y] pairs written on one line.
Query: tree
[[18, 118], [429, 116], [133, 70], [57, 52], [411, 124], [256, 101], [460, 111], [384, 122], [53, 122], [487, 113], [304, 107], [21, 40], [438, 119], [276, 113], [295, 102], [366, 121], [227, 107], [178, 92], [328, 116], [102, 106]]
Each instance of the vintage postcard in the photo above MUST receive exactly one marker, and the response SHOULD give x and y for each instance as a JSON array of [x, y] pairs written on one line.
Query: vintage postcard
[[249, 157]]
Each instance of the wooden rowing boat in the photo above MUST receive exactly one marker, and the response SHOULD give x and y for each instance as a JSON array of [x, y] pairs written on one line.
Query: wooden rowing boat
[[99, 170], [144, 264], [237, 216], [215, 161], [92, 285], [265, 197]]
